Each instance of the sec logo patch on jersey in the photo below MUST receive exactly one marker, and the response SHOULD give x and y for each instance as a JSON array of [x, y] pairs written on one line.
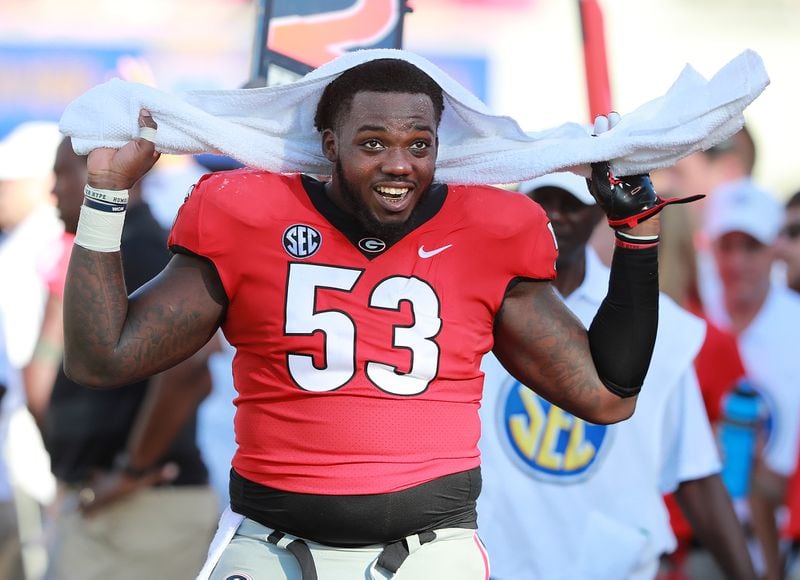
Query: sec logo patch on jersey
[[547, 442], [301, 241]]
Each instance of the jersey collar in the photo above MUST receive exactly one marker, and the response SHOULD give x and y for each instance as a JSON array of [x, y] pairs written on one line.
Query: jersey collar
[[428, 207]]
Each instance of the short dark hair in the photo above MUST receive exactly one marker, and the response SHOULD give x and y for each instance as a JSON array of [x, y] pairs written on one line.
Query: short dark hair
[[740, 144], [385, 75]]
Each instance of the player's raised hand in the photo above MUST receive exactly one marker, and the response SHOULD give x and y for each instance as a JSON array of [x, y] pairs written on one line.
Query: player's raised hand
[[627, 200], [118, 169]]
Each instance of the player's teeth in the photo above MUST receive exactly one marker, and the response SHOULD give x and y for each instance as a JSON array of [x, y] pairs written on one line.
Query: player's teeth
[[393, 191]]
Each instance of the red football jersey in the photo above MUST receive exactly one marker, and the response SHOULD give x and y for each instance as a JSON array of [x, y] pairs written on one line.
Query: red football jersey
[[357, 363]]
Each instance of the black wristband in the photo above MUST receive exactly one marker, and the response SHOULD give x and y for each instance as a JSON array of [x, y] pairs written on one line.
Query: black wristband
[[123, 464], [103, 206], [621, 391]]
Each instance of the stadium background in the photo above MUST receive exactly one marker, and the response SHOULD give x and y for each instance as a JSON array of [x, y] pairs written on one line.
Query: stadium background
[[523, 57]]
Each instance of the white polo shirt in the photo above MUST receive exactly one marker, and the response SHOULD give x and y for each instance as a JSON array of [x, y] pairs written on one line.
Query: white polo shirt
[[769, 347], [26, 252], [566, 499], [12, 400]]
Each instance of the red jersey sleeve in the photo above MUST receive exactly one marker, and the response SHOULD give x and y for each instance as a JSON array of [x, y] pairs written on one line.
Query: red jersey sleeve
[[536, 234], [185, 233], [217, 215], [519, 240]]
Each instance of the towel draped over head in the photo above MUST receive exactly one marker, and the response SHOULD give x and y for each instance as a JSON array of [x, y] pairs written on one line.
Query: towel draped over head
[[272, 128]]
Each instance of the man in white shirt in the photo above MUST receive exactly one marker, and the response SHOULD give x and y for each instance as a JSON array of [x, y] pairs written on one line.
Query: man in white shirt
[[743, 221], [565, 499], [11, 399], [30, 232], [30, 246]]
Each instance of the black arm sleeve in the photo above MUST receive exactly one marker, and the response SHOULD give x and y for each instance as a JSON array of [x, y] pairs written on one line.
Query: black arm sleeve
[[623, 332]]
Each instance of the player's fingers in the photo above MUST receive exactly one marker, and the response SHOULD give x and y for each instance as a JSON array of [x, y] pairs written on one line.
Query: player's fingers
[[613, 119], [146, 119], [100, 157], [147, 126], [600, 124]]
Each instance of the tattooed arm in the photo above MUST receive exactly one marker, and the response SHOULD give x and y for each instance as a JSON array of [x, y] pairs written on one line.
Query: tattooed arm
[[542, 344], [110, 339], [595, 375]]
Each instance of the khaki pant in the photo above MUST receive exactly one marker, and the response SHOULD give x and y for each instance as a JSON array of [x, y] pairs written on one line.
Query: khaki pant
[[10, 547], [160, 532], [455, 554]]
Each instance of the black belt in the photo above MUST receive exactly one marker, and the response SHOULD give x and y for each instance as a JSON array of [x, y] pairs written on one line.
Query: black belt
[[394, 554], [391, 557], [299, 549]]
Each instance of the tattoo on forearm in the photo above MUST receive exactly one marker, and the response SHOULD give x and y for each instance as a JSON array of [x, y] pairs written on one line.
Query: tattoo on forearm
[[556, 361], [131, 339]]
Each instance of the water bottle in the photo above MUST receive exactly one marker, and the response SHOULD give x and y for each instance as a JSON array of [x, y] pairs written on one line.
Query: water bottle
[[742, 417]]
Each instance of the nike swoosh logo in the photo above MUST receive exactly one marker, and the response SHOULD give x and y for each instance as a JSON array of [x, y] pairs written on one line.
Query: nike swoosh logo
[[424, 254]]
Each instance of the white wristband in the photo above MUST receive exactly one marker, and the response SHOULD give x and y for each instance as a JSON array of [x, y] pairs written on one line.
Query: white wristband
[[99, 231], [637, 238]]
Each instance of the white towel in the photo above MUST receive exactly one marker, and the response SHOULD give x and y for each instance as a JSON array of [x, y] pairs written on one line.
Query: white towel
[[229, 522], [272, 128]]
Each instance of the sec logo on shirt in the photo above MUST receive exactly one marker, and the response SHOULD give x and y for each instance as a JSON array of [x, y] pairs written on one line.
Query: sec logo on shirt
[[547, 442]]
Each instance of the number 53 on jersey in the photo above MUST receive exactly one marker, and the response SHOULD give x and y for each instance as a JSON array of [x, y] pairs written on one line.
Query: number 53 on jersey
[[304, 317]]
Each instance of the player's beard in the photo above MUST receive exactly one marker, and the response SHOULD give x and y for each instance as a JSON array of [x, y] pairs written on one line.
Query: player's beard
[[389, 233]]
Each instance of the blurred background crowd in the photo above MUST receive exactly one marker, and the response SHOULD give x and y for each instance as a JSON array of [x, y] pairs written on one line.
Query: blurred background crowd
[[163, 447]]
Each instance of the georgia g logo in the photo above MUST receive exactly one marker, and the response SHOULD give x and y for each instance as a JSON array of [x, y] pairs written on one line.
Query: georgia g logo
[[301, 241], [547, 442], [372, 245]]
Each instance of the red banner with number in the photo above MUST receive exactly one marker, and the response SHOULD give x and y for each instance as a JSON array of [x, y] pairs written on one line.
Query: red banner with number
[[296, 36]]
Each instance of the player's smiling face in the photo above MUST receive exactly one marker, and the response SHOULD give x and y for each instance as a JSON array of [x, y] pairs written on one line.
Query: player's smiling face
[[384, 151]]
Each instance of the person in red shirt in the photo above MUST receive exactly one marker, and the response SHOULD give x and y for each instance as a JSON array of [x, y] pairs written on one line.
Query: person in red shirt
[[718, 364]]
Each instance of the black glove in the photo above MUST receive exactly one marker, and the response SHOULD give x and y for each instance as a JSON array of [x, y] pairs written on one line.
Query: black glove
[[630, 200]]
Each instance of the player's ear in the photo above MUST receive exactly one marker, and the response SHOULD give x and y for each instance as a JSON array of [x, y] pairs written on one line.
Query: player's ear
[[329, 148]]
